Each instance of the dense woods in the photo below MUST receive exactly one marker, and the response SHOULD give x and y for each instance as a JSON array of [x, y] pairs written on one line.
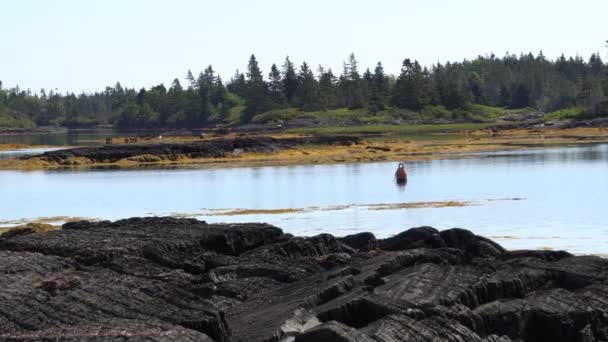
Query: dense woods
[[526, 81]]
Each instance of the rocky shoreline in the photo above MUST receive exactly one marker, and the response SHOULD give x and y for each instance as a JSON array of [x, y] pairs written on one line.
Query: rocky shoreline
[[168, 279], [158, 151]]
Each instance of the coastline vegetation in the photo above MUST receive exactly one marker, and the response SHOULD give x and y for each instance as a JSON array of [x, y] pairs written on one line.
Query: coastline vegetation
[[479, 90], [394, 129]]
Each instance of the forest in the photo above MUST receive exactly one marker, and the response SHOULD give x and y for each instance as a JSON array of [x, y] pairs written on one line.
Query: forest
[[572, 87]]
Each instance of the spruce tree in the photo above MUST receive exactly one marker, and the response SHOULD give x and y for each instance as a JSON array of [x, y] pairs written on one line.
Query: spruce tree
[[520, 97], [308, 90], [327, 89], [276, 91], [290, 80], [378, 89], [256, 100], [238, 84], [351, 84], [190, 79], [413, 88]]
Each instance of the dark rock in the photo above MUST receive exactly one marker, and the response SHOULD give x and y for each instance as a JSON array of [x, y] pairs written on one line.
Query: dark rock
[[167, 279], [540, 254], [213, 148], [413, 238], [474, 245], [361, 241], [113, 330], [335, 260], [333, 332]]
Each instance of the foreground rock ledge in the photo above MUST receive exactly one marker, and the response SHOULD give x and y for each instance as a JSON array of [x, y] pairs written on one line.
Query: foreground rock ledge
[[167, 279]]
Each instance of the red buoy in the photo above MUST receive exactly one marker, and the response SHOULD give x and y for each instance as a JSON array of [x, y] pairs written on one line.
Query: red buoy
[[401, 174]]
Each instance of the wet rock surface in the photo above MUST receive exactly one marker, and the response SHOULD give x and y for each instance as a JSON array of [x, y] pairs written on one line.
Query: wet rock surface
[[213, 148], [168, 279]]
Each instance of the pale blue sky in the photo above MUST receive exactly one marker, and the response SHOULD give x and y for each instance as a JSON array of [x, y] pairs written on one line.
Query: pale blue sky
[[85, 45]]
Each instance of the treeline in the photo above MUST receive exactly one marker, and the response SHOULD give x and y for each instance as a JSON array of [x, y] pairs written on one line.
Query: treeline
[[512, 81]]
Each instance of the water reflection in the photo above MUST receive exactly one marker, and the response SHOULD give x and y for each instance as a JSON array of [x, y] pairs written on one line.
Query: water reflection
[[401, 185], [79, 137], [20, 153]]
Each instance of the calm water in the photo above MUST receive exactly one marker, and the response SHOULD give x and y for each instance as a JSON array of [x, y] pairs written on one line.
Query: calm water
[[564, 195], [24, 152], [81, 137]]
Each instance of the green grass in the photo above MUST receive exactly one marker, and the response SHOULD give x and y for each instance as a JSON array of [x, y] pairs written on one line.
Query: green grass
[[567, 113], [345, 116], [395, 129], [234, 115], [279, 116], [12, 122], [487, 112]]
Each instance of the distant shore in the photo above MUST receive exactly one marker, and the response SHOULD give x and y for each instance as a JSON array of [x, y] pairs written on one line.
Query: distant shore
[[300, 149]]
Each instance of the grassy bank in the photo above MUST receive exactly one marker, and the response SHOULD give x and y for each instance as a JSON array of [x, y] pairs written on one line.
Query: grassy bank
[[362, 116], [392, 129]]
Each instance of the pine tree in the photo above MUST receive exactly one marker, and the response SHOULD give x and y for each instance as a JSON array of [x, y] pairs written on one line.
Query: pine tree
[[308, 91], [520, 97], [204, 85], [327, 89], [290, 80], [256, 97], [413, 88], [238, 84], [596, 65], [590, 95], [218, 92], [176, 101], [378, 90], [351, 85], [276, 91], [190, 79], [505, 96]]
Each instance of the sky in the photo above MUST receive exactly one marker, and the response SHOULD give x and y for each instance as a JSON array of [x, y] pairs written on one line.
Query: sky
[[76, 45]]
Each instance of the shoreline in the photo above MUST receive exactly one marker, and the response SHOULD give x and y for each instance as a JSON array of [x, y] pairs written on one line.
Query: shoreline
[[377, 149], [510, 239]]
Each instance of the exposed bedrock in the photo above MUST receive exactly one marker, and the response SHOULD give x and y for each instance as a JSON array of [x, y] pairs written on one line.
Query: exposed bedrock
[[168, 279], [213, 148]]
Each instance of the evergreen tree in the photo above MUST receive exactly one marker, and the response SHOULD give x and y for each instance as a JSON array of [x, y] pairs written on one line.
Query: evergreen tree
[[308, 91], [290, 80], [596, 65], [204, 86], [351, 85], [190, 79], [378, 89], [256, 97], [413, 88], [275, 88], [327, 89], [505, 96], [238, 84], [520, 97], [218, 92], [590, 95], [176, 101]]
